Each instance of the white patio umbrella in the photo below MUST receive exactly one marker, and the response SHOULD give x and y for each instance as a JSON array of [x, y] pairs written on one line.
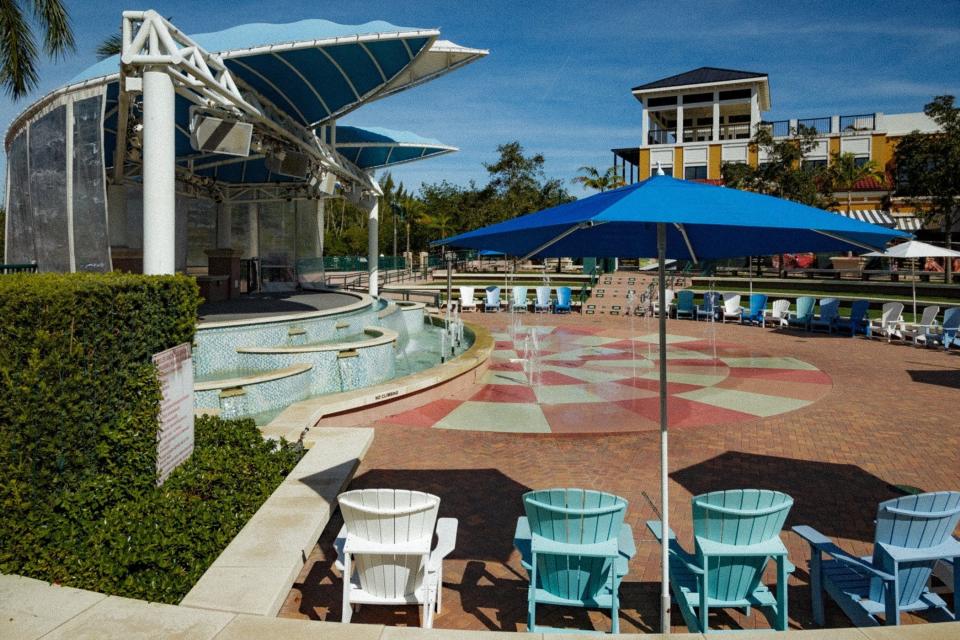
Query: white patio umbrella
[[914, 249]]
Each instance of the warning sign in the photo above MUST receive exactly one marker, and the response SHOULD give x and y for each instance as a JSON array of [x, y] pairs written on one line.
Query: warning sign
[[175, 436]]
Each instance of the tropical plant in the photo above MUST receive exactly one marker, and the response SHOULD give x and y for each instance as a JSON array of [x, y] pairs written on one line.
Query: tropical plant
[[845, 172], [18, 45], [109, 47], [593, 179]]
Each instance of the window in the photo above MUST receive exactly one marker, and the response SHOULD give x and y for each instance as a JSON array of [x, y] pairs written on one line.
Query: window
[[667, 171], [695, 173], [735, 94], [738, 118], [692, 98], [814, 165], [861, 160], [661, 102]]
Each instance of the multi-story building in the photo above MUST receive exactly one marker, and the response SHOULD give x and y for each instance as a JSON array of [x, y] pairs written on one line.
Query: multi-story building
[[696, 121]]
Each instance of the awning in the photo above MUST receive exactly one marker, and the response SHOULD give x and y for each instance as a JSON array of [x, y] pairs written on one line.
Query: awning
[[908, 223], [376, 147], [873, 216]]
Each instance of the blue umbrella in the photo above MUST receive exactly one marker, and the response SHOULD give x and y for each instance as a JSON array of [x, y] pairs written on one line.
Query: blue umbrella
[[682, 220]]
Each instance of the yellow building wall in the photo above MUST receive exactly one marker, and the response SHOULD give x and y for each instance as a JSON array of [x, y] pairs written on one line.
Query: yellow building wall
[[753, 156], [881, 151], [714, 160], [834, 146], [644, 168], [678, 162]]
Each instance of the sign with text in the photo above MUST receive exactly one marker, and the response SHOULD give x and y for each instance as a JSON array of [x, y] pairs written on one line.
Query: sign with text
[[175, 436]]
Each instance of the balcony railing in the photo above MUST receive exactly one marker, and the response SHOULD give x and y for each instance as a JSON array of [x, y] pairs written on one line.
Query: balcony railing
[[740, 131], [698, 134], [777, 128], [662, 136], [820, 126], [855, 124]]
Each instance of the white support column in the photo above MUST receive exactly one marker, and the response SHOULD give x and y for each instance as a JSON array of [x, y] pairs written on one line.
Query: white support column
[[373, 245], [716, 117], [645, 126], [224, 224], [159, 178], [321, 215], [679, 133], [253, 222], [754, 109], [117, 214]]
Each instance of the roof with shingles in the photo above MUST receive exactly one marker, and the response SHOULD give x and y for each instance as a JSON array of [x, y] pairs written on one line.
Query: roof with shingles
[[702, 75]]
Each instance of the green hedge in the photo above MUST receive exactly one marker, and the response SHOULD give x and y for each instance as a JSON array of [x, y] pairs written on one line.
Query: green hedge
[[79, 399]]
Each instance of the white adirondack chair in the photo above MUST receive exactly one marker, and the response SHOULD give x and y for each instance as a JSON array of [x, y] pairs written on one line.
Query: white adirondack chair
[[668, 296], [780, 310], [731, 307], [467, 301], [918, 331], [889, 323], [384, 549]]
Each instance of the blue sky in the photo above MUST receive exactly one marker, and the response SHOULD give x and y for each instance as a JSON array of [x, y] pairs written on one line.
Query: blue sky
[[559, 73]]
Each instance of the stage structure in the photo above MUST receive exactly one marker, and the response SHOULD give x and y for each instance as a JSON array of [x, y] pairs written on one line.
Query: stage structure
[[189, 151]]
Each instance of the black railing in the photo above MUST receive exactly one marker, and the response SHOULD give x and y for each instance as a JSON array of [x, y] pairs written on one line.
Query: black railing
[[819, 125], [18, 268], [698, 134], [854, 124], [740, 131], [662, 136], [777, 128]]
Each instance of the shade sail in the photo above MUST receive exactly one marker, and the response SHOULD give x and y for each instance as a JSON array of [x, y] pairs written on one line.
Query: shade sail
[[376, 147], [703, 222]]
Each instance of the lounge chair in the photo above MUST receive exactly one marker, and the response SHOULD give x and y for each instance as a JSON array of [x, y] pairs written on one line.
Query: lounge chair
[[756, 314], [518, 299], [543, 303], [912, 533], [384, 549], [889, 323], [804, 315], [711, 302], [735, 534], [829, 314], [948, 333], [492, 301], [562, 304], [779, 311], [917, 331], [467, 302], [731, 307], [575, 548], [857, 321], [685, 308], [668, 296]]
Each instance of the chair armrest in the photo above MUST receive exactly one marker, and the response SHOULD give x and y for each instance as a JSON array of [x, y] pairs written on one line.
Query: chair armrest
[[772, 547], [823, 544], [338, 544], [625, 541], [947, 550], [675, 550], [446, 541]]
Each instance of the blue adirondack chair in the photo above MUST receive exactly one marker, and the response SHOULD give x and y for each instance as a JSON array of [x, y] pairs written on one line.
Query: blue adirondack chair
[[712, 301], [562, 304], [756, 314], [857, 322], [804, 314], [949, 330], [829, 314], [518, 301], [735, 534], [575, 548], [913, 533], [492, 302], [685, 308]]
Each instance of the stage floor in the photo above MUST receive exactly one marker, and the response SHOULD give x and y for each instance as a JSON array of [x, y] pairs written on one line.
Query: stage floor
[[265, 305]]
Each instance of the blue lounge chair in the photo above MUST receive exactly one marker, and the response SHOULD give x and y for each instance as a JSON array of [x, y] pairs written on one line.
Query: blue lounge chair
[[735, 534], [492, 302], [712, 301], [948, 333], [575, 548], [804, 314], [857, 322], [685, 307], [518, 299], [829, 314], [913, 533], [756, 314], [562, 304]]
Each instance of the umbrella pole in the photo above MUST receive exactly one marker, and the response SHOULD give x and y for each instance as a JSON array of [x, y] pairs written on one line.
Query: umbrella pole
[[664, 500], [913, 285]]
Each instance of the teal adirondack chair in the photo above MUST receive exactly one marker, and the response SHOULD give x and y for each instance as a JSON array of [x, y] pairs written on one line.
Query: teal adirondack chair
[[563, 300], [575, 548], [518, 299], [712, 301], [735, 533], [685, 308], [857, 321], [829, 314], [756, 314], [804, 314], [913, 533]]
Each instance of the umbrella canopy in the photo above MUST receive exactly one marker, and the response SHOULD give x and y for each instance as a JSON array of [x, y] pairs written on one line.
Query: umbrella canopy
[[703, 222], [679, 219], [914, 249]]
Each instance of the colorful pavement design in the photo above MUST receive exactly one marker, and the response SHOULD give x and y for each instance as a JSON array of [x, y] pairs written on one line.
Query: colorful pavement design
[[594, 380]]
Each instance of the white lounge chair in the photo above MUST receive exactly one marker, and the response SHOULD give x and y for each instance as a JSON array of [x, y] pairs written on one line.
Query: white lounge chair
[[467, 301], [543, 303], [889, 323], [779, 312], [731, 307], [384, 549], [917, 331], [668, 297]]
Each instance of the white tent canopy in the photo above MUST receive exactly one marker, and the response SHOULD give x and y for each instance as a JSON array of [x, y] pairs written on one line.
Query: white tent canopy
[[915, 249]]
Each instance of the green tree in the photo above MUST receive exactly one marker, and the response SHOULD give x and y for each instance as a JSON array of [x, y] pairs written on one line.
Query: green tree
[[18, 45], [844, 173], [109, 47], [593, 179], [928, 168]]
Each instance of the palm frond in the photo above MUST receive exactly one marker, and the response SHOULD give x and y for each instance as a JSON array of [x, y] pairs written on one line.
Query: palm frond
[[110, 46], [18, 52], [57, 34]]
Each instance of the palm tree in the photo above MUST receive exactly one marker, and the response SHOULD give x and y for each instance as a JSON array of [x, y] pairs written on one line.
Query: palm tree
[[109, 47], [438, 223], [845, 173], [599, 181], [18, 46]]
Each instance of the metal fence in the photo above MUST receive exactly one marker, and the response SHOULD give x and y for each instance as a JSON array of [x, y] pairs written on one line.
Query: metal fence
[[819, 125], [857, 123]]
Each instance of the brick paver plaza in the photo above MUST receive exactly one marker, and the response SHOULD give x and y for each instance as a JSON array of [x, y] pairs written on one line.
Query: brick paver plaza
[[834, 422]]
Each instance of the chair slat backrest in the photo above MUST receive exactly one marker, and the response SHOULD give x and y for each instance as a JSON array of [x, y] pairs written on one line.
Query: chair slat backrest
[[519, 296], [929, 315], [913, 522], [758, 304], [389, 516], [574, 516], [731, 302], [738, 517], [951, 319], [493, 296], [858, 310], [543, 296], [829, 309], [780, 308], [685, 301], [563, 296], [466, 294], [711, 300], [805, 306], [890, 314]]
